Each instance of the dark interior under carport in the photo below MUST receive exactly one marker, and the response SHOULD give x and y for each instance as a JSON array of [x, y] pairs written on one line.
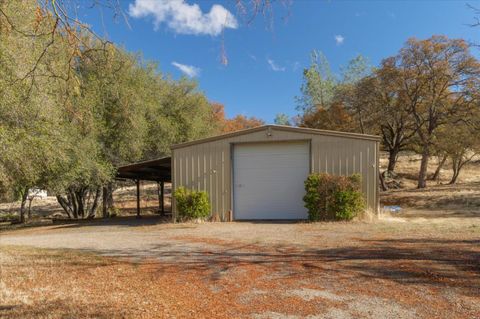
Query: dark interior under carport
[[156, 170]]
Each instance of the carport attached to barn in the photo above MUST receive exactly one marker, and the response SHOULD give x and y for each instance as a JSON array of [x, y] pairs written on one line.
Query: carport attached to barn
[[157, 170]]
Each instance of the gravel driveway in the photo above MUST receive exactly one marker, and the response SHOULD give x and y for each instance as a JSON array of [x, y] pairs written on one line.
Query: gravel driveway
[[388, 269]]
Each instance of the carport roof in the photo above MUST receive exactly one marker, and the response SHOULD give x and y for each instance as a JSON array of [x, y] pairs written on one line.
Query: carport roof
[[152, 170]]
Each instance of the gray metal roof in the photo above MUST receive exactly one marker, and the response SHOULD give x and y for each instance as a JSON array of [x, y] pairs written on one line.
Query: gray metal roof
[[158, 169], [281, 128]]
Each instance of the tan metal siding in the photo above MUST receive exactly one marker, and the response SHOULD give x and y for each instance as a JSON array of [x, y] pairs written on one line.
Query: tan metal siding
[[207, 166]]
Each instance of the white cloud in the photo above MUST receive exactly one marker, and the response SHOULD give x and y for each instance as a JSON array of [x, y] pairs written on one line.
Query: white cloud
[[274, 66], [184, 18], [339, 39], [189, 70]]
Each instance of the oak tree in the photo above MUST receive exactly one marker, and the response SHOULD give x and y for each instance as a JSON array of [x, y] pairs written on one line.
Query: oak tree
[[439, 77]]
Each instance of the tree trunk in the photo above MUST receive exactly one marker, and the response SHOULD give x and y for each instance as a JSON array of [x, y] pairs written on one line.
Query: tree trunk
[[382, 182], [76, 206], [392, 159], [422, 174], [110, 189], [87, 203], [105, 211], [107, 200], [456, 167], [93, 209], [436, 175], [454, 177], [80, 196], [65, 205], [362, 126], [23, 206], [73, 203], [30, 200]]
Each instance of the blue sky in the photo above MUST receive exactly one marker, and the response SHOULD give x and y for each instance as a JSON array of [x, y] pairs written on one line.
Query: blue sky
[[264, 71]]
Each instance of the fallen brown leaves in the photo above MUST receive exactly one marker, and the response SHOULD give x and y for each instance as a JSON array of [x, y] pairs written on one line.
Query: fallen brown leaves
[[74, 285], [404, 278]]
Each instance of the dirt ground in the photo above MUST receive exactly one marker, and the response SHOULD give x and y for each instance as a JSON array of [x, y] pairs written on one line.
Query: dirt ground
[[392, 268]]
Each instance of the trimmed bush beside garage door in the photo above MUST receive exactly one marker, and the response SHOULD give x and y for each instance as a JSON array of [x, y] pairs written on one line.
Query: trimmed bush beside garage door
[[331, 197]]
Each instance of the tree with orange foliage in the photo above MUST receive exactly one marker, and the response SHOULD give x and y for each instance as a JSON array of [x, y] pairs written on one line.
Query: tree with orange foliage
[[218, 115], [239, 122], [335, 118]]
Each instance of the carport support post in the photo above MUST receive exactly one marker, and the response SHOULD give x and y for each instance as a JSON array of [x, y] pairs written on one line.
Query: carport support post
[[162, 198], [138, 198]]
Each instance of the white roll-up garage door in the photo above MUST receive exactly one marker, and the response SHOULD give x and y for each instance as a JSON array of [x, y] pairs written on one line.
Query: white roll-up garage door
[[268, 180]]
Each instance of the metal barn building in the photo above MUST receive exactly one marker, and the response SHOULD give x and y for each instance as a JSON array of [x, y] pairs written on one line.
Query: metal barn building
[[259, 173]]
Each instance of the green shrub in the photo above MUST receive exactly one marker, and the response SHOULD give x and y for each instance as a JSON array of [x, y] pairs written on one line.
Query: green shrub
[[192, 204], [330, 197], [348, 204]]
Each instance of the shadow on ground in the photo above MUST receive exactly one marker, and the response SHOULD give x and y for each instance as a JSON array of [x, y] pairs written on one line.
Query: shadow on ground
[[381, 267], [127, 221], [439, 263]]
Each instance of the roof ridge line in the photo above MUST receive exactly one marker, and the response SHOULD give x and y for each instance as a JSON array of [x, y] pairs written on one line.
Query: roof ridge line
[[280, 127]]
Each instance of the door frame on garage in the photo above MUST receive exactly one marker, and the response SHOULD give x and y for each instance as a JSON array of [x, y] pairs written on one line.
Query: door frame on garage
[[232, 170]]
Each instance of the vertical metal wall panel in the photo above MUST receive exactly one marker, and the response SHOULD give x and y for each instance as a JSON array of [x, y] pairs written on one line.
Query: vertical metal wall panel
[[219, 178], [207, 165]]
